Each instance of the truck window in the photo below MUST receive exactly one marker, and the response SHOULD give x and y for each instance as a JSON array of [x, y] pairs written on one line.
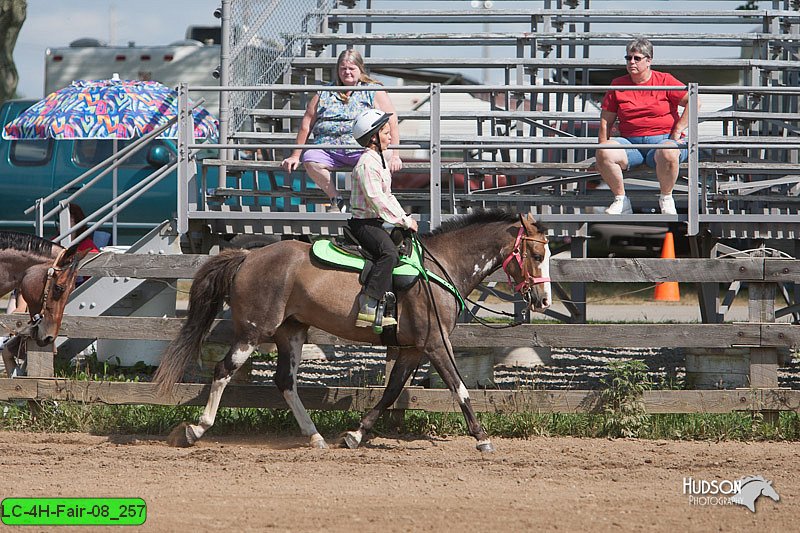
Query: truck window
[[90, 152], [31, 153]]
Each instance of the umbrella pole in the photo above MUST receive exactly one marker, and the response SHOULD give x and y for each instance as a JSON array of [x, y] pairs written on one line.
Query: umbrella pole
[[114, 192]]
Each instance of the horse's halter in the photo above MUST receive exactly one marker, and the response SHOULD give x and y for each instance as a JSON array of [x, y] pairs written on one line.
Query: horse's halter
[[48, 286], [528, 279]]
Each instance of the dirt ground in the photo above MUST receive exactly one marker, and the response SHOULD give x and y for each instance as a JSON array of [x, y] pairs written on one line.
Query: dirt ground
[[265, 483]]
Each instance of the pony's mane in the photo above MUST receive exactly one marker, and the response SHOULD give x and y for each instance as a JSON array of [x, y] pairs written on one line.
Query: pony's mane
[[479, 216], [25, 242]]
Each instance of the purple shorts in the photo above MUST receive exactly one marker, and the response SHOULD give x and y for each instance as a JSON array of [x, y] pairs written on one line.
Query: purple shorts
[[332, 158]]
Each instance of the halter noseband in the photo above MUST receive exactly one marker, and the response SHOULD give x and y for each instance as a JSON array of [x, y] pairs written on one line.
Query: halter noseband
[[529, 280]]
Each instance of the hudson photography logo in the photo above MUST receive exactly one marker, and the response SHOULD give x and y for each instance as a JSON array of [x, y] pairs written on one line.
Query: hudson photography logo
[[744, 491]]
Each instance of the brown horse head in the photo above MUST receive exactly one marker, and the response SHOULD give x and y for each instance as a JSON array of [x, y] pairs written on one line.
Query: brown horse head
[[528, 264], [46, 288]]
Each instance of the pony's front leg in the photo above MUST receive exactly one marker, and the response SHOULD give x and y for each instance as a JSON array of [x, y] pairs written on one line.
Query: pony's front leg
[[444, 365], [289, 338], [403, 367], [11, 348], [185, 435]]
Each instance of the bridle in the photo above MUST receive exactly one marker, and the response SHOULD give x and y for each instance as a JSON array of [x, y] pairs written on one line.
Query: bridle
[[48, 285], [529, 280]]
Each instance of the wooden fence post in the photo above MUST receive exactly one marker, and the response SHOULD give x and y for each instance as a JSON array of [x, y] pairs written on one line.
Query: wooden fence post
[[763, 360], [40, 360]]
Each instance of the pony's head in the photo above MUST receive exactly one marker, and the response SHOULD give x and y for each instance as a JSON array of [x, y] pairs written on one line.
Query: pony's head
[[528, 264], [47, 289]]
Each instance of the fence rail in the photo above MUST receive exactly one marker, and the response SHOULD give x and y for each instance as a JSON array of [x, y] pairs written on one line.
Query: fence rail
[[761, 335]]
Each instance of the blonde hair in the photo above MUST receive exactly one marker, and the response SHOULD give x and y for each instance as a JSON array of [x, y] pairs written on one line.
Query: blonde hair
[[354, 56]]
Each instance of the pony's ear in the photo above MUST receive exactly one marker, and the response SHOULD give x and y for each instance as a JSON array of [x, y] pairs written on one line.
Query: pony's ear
[[529, 223], [73, 255]]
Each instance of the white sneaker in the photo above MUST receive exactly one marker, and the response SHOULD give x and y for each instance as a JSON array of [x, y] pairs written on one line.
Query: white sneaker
[[667, 205], [620, 206]]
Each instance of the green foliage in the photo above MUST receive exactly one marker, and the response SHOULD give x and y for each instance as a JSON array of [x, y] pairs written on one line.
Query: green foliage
[[623, 407]]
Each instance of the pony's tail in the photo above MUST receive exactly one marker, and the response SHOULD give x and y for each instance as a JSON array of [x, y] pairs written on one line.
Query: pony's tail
[[210, 287]]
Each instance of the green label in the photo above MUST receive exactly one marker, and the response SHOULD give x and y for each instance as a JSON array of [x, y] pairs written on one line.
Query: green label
[[73, 511]]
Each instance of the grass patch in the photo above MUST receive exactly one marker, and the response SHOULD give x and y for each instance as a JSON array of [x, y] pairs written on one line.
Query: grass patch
[[100, 419]]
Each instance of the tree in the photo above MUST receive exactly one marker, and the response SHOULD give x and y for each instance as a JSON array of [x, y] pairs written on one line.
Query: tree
[[12, 15]]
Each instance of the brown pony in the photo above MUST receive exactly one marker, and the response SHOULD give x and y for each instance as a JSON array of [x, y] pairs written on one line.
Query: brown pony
[[279, 291], [44, 273]]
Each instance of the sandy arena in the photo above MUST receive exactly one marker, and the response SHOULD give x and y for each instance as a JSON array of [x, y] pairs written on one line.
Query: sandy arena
[[266, 483]]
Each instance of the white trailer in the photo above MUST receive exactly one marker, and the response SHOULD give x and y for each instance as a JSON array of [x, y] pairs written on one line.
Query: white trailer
[[189, 61]]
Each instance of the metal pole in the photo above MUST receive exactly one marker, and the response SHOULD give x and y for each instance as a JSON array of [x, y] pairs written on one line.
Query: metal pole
[[185, 125], [65, 225], [436, 156], [224, 81], [39, 222], [694, 161], [114, 191]]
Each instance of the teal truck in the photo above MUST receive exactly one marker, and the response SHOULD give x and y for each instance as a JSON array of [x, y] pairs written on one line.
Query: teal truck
[[33, 169]]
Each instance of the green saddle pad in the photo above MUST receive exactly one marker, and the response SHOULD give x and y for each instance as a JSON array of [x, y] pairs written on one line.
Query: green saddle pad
[[404, 275]]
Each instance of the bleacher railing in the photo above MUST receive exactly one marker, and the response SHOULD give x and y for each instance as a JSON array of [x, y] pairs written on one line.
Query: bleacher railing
[[696, 213]]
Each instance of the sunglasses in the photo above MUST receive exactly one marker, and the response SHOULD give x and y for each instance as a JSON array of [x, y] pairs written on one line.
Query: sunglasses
[[635, 58]]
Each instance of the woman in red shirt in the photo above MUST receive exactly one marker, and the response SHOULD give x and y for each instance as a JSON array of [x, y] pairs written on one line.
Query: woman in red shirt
[[645, 117]]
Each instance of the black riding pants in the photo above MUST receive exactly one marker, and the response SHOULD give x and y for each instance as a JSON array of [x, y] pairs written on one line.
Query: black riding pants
[[376, 240]]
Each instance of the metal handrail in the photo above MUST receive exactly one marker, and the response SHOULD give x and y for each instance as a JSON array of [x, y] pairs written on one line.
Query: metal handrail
[[119, 158], [436, 145], [128, 197]]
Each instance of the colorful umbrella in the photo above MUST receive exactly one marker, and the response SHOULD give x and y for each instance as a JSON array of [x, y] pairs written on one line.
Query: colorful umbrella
[[107, 109]]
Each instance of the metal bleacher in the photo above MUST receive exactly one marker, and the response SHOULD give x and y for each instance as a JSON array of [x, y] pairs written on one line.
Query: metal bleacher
[[499, 107]]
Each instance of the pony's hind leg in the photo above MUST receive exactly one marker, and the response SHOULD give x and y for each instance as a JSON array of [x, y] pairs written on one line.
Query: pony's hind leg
[[289, 338], [185, 435], [447, 371], [403, 367]]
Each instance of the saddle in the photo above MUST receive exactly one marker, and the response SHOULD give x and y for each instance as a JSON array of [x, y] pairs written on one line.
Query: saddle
[[346, 253]]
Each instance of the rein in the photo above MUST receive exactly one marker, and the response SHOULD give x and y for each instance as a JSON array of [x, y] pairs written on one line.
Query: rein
[[529, 280], [476, 317]]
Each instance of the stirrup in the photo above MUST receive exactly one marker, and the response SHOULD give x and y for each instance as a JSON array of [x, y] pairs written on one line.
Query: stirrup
[[374, 317]]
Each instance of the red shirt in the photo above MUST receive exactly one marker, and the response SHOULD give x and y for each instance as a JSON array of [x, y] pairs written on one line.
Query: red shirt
[[642, 113], [88, 244]]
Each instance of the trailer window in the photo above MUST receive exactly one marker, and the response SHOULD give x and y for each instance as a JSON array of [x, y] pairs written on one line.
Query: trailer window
[[31, 153]]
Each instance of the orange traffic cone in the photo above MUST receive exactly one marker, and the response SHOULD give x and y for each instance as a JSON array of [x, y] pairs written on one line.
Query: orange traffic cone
[[668, 291]]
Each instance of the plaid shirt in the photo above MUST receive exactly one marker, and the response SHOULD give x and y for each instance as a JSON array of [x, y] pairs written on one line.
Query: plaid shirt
[[372, 191]]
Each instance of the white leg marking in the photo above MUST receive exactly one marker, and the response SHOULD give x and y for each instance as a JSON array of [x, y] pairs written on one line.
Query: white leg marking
[[546, 274], [307, 427], [462, 395], [353, 438], [210, 412], [239, 357]]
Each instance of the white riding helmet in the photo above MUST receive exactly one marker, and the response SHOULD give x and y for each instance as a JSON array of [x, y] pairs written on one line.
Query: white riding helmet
[[368, 124]]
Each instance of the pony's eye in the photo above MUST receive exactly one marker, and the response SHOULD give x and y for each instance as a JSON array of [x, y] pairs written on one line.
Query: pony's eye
[[58, 291], [538, 257]]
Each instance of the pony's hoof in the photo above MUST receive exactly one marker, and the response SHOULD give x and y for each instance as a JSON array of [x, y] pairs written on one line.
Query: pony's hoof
[[318, 442], [182, 436], [484, 446], [352, 440]]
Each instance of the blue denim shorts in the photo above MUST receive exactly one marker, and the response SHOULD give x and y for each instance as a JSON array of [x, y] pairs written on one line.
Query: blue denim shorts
[[637, 156]]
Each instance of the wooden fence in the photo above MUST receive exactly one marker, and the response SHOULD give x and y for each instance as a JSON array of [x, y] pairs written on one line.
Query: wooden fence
[[761, 335]]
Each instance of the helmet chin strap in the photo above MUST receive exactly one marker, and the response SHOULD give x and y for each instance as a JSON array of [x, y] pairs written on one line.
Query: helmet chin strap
[[377, 141]]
